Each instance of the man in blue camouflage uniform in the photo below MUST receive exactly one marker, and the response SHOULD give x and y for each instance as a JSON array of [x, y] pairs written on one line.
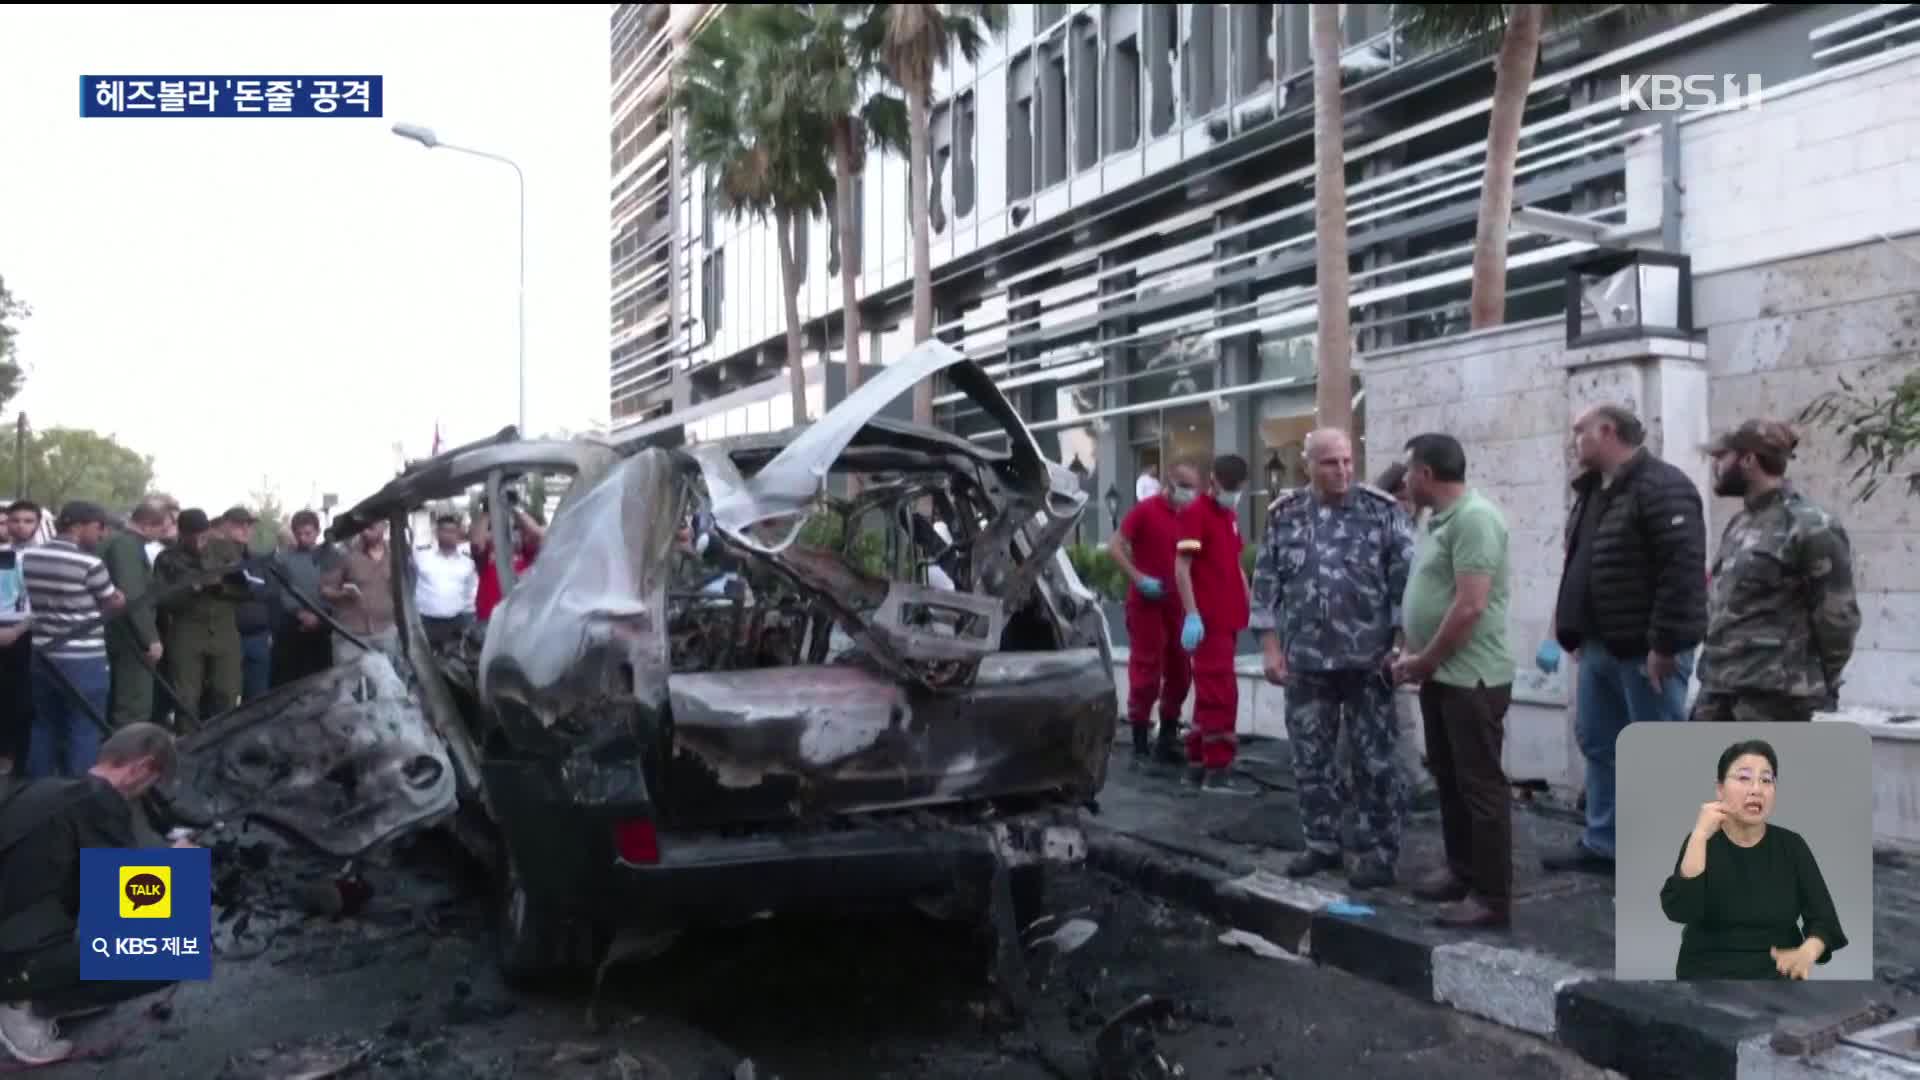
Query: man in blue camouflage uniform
[[1327, 587], [1782, 616]]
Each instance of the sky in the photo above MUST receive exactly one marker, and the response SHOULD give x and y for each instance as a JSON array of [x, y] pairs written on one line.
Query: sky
[[278, 301]]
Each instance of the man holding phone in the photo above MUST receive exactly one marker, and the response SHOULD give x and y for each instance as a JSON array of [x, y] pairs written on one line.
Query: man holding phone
[[360, 588]]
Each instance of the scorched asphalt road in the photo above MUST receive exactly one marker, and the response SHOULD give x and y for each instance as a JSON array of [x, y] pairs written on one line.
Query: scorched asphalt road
[[405, 988]]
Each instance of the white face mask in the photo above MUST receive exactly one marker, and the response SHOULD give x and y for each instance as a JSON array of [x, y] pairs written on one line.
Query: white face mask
[[1181, 495], [1228, 500]]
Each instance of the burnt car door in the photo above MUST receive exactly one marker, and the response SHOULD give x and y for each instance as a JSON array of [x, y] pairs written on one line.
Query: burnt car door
[[378, 746], [343, 760]]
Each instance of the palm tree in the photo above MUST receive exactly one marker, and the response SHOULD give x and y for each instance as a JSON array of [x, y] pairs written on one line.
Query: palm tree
[[918, 40], [1517, 28], [844, 64], [762, 143], [1333, 387]]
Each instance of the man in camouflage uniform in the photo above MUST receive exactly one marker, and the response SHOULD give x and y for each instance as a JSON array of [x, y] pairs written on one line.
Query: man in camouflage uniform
[[203, 632], [1782, 616], [1327, 590]]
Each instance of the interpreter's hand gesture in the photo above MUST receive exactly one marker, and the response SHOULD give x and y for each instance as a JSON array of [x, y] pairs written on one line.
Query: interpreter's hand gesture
[[1712, 816], [1797, 963]]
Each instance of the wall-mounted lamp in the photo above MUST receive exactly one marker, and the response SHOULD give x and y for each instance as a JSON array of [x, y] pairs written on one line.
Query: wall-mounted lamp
[[1622, 295]]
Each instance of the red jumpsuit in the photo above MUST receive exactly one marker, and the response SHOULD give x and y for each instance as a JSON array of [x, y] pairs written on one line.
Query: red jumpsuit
[[1210, 534], [1157, 667]]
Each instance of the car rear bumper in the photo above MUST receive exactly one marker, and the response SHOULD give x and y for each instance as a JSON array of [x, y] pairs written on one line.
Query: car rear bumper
[[715, 879]]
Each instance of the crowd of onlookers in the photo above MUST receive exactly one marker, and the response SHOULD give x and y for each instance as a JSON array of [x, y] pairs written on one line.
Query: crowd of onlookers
[[1360, 591], [172, 617], [151, 626]]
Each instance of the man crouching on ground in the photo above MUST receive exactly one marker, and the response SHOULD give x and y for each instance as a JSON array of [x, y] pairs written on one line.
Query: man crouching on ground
[[43, 825]]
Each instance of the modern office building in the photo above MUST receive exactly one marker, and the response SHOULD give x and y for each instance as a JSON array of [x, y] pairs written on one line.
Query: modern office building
[[1122, 217], [646, 40]]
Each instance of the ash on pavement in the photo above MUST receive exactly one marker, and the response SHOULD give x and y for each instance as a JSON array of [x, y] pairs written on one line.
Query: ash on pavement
[[405, 987]]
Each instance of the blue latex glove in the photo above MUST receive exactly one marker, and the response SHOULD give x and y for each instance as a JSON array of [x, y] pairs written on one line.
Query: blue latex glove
[[1151, 588], [1548, 658], [1191, 632]]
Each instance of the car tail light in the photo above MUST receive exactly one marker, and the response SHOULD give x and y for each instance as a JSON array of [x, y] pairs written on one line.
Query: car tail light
[[636, 842]]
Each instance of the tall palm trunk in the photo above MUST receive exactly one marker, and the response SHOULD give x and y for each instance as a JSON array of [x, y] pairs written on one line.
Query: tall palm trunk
[[784, 223], [1513, 76], [844, 210], [917, 110], [1333, 392]]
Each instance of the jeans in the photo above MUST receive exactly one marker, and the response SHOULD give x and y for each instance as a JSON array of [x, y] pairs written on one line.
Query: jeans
[[256, 665], [65, 740], [1612, 694]]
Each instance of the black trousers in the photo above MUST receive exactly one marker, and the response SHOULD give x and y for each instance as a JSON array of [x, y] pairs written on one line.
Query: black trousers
[[50, 979], [299, 653], [1466, 729], [16, 700]]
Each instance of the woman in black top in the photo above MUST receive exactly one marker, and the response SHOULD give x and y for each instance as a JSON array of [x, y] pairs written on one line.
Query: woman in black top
[[1749, 893]]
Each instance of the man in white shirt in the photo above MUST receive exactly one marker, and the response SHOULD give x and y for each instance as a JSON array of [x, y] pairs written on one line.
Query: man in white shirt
[[1148, 485], [445, 583]]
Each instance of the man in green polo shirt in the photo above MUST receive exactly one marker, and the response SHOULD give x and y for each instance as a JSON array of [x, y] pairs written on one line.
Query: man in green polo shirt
[[1456, 633]]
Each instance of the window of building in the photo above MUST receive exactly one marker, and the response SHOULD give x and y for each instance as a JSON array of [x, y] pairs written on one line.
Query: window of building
[[1020, 127], [713, 299], [963, 162], [1086, 93], [1163, 60], [1296, 39], [1045, 15], [1253, 48], [1123, 77], [939, 157], [1051, 139], [1207, 57]]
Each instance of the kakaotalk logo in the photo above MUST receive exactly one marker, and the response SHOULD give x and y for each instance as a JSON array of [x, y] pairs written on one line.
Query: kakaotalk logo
[[146, 892], [1689, 93]]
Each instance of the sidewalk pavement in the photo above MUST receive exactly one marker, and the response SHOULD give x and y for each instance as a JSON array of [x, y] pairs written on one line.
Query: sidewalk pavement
[[1550, 975]]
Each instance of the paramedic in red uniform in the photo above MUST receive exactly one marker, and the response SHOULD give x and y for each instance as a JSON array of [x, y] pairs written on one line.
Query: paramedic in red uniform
[[1214, 592], [1157, 667]]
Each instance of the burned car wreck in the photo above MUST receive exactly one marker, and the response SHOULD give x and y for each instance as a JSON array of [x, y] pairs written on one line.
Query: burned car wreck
[[834, 667]]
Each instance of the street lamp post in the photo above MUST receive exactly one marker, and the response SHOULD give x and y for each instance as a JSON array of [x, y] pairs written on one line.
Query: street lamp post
[[425, 137]]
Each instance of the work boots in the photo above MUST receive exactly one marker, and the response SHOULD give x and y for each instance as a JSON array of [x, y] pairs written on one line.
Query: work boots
[[1142, 744], [1168, 749]]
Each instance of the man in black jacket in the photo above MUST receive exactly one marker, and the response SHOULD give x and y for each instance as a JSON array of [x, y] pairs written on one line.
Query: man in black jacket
[[43, 825], [1633, 604]]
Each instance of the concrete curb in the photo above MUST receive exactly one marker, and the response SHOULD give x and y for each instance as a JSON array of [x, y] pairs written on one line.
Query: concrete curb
[[1655, 1031]]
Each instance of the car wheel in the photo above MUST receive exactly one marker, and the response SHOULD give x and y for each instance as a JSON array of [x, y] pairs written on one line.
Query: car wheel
[[534, 945]]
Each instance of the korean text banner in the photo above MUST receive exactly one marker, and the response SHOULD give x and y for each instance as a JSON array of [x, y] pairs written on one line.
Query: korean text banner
[[146, 914], [230, 95]]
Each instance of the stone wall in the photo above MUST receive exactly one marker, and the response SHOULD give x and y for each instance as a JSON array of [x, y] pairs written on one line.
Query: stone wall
[[1831, 163]]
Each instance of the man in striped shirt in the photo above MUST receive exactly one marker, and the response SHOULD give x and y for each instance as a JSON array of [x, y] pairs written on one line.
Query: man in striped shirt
[[72, 596]]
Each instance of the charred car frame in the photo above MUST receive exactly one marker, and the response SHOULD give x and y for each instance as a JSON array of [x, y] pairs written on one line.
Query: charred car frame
[[726, 686]]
